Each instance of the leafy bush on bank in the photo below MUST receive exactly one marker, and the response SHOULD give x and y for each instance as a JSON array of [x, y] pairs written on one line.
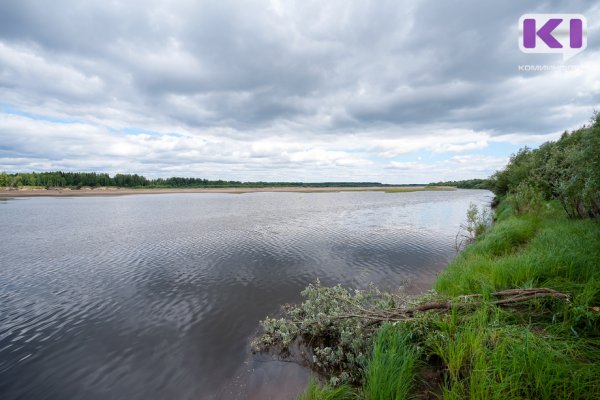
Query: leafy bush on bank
[[567, 170]]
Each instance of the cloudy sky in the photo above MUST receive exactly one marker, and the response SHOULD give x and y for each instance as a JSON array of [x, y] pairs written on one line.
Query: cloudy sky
[[389, 91]]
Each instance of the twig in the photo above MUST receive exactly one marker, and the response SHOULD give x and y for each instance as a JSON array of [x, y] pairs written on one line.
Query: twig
[[508, 298]]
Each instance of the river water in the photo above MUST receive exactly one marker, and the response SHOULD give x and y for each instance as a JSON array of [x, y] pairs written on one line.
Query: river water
[[158, 296]]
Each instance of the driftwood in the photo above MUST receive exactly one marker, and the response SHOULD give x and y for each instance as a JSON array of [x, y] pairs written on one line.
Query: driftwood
[[506, 298]]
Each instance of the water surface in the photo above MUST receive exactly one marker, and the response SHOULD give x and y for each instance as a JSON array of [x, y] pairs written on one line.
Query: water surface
[[157, 296]]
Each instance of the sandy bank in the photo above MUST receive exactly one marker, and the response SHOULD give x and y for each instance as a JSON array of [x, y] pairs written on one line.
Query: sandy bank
[[111, 191]]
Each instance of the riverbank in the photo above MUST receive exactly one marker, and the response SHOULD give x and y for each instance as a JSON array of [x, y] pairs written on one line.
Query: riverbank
[[114, 191], [477, 340]]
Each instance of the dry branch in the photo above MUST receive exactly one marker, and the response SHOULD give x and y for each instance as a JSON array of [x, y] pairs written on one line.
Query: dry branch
[[506, 298]]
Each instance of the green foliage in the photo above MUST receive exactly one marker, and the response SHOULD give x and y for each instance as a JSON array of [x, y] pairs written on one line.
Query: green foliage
[[93, 179], [506, 237], [525, 198], [4, 179], [392, 368], [61, 179], [527, 251], [327, 392], [518, 170], [467, 184], [16, 181], [340, 344], [477, 223], [491, 355], [547, 351], [567, 170]]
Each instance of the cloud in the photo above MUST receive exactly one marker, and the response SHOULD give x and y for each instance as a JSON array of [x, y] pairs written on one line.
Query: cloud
[[25, 70], [456, 167], [279, 89]]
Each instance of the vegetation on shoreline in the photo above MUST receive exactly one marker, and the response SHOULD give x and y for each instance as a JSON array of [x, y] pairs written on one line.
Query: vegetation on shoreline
[[61, 179], [567, 170], [515, 316], [542, 347], [467, 184]]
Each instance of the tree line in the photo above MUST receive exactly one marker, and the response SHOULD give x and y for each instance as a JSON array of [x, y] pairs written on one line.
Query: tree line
[[76, 180], [467, 184]]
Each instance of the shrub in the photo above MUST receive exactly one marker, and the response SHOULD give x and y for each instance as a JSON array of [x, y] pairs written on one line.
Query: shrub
[[476, 224], [525, 198], [340, 345]]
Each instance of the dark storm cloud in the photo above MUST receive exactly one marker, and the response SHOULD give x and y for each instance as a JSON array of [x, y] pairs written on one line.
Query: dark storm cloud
[[246, 61]]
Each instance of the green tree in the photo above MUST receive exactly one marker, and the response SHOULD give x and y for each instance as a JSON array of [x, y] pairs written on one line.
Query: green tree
[[4, 179], [567, 170]]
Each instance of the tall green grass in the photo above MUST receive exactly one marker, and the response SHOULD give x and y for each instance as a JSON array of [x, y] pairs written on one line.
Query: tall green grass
[[489, 356], [391, 371], [314, 391], [547, 350], [547, 250]]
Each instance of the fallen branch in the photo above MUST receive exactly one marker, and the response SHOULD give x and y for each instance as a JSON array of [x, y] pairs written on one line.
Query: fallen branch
[[336, 325], [508, 298]]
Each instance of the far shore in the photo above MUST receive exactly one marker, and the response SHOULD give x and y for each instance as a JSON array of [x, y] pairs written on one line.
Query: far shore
[[114, 191]]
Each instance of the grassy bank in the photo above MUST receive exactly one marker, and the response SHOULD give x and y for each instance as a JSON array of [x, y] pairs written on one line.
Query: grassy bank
[[546, 348]]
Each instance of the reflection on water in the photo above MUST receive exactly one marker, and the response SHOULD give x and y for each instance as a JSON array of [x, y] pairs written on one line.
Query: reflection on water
[[157, 296]]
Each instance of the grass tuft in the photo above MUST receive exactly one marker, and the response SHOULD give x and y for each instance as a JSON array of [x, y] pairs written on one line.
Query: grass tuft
[[314, 391], [391, 371]]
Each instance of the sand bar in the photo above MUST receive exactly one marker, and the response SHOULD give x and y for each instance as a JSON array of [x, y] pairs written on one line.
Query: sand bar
[[113, 191]]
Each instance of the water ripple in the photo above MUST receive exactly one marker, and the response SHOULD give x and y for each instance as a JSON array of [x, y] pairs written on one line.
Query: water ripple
[[156, 297]]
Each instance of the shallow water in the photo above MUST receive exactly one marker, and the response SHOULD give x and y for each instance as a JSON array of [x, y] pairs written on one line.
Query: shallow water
[[157, 296]]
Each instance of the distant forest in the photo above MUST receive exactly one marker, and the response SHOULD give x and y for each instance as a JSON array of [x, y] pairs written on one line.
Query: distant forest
[[93, 179], [75, 180], [468, 184]]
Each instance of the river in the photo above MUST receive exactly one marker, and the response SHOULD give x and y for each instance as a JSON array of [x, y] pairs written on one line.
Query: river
[[158, 296]]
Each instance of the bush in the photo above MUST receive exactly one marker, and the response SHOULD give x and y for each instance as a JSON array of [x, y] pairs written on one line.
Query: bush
[[476, 224], [567, 170], [340, 344], [525, 198]]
